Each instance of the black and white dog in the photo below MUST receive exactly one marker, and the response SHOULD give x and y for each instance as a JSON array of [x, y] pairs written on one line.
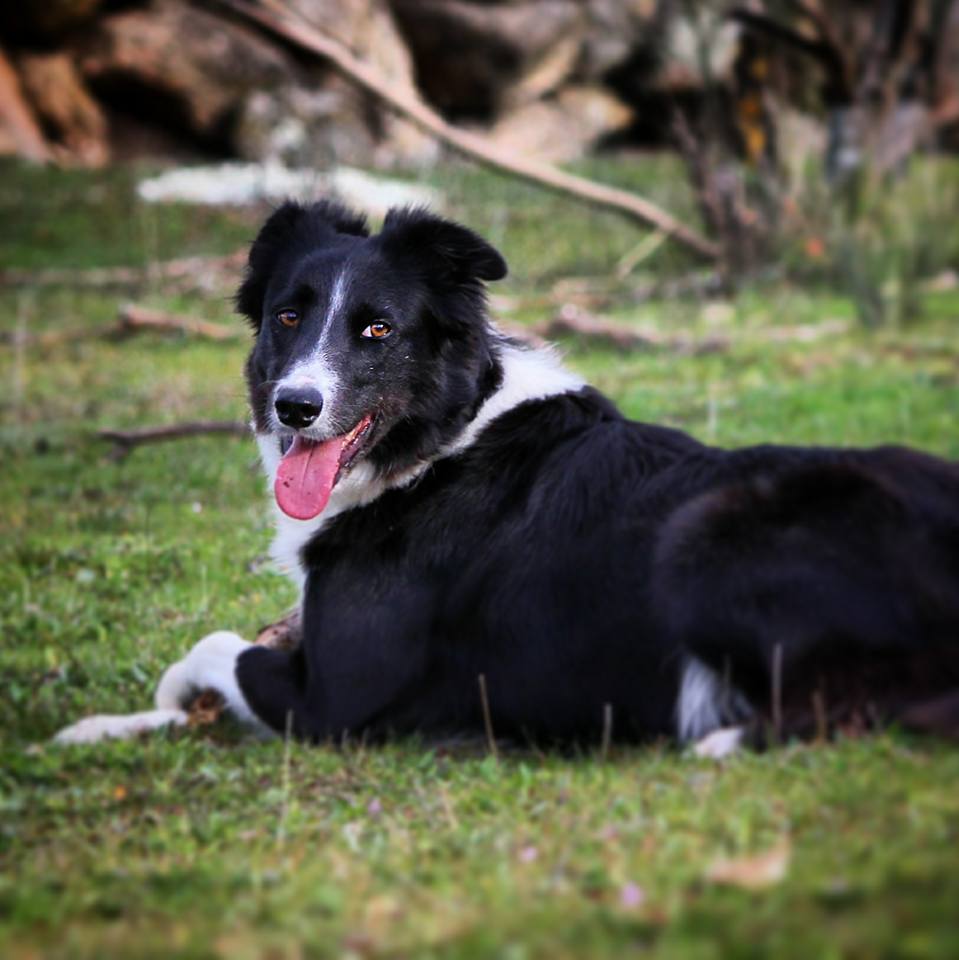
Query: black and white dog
[[457, 505]]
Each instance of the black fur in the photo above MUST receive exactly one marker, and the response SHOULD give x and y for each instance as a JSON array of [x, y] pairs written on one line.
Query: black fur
[[572, 557], [291, 224]]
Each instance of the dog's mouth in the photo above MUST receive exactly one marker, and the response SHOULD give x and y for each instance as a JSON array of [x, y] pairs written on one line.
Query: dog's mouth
[[310, 469]]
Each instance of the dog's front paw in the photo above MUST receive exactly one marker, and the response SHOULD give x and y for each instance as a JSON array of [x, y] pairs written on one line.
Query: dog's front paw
[[210, 665], [119, 726]]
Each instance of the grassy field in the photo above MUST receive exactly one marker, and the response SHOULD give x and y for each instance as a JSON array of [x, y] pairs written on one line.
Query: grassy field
[[204, 844]]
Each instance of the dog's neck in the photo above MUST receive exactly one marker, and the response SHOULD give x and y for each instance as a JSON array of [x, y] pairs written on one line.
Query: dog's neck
[[526, 374]]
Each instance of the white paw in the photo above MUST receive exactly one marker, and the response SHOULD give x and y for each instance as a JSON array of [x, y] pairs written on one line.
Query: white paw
[[119, 726], [210, 665], [720, 743]]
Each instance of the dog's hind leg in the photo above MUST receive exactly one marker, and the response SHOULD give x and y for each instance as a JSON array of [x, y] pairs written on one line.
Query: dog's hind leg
[[827, 594]]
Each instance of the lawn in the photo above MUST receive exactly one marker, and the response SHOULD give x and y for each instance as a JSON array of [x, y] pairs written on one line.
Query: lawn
[[206, 844]]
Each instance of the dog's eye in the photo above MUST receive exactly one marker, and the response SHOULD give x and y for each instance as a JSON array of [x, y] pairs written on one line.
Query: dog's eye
[[378, 330], [289, 318]]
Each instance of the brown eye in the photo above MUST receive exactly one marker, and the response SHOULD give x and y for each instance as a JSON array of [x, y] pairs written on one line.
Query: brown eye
[[289, 318], [378, 330]]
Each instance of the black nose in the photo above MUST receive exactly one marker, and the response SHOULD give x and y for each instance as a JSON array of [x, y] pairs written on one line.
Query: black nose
[[298, 406]]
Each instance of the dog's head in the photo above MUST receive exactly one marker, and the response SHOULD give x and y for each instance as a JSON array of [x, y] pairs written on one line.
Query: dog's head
[[372, 349]]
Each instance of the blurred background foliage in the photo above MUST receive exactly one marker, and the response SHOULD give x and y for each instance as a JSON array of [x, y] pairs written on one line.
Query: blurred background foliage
[[813, 139]]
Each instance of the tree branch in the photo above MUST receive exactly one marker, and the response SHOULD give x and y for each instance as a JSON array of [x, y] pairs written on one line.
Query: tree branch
[[131, 319], [126, 440], [571, 321], [826, 50], [181, 268], [279, 21], [134, 319]]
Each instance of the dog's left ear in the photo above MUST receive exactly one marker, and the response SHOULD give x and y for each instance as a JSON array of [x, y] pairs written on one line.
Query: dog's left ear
[[445, 250]]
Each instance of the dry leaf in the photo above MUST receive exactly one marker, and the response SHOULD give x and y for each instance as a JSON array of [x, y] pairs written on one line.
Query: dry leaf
[[205, 709], [380, 913], [755, 872], [282, 635]]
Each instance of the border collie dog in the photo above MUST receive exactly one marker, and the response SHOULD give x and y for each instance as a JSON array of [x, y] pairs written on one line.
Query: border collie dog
[[457, 505]]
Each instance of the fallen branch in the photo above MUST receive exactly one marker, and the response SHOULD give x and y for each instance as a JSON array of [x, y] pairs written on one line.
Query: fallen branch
[[52, 338], [607, 732], [279, 21], [17, 118], [178, 269], [135, 319], [571, 321], [598, 292], [607, 288], [131, 319], [126, 440]]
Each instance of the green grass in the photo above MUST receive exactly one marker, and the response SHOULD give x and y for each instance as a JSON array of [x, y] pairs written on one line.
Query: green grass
[[204, 843]]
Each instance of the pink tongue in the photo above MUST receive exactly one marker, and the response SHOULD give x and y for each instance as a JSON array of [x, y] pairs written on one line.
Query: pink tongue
[[304, 478]]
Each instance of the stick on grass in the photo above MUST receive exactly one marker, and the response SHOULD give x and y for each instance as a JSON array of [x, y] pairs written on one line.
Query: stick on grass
[[181, 268], [126, 440], [132, 318], [487, 717], [777, 691], [607, 731]]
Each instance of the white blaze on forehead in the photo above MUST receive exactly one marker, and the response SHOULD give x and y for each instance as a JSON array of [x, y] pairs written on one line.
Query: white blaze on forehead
[[338, 296], [317, 370]]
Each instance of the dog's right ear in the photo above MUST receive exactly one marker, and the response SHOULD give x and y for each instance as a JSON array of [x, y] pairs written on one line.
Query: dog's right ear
[[445, 251], [312, 225]]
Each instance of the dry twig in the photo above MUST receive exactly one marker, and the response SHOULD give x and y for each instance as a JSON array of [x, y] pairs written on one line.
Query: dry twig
[[183, 268], [17, 118], [131, 319], [607, 732], [487, 717], [571, 320], [126, 440], [134, 319]]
